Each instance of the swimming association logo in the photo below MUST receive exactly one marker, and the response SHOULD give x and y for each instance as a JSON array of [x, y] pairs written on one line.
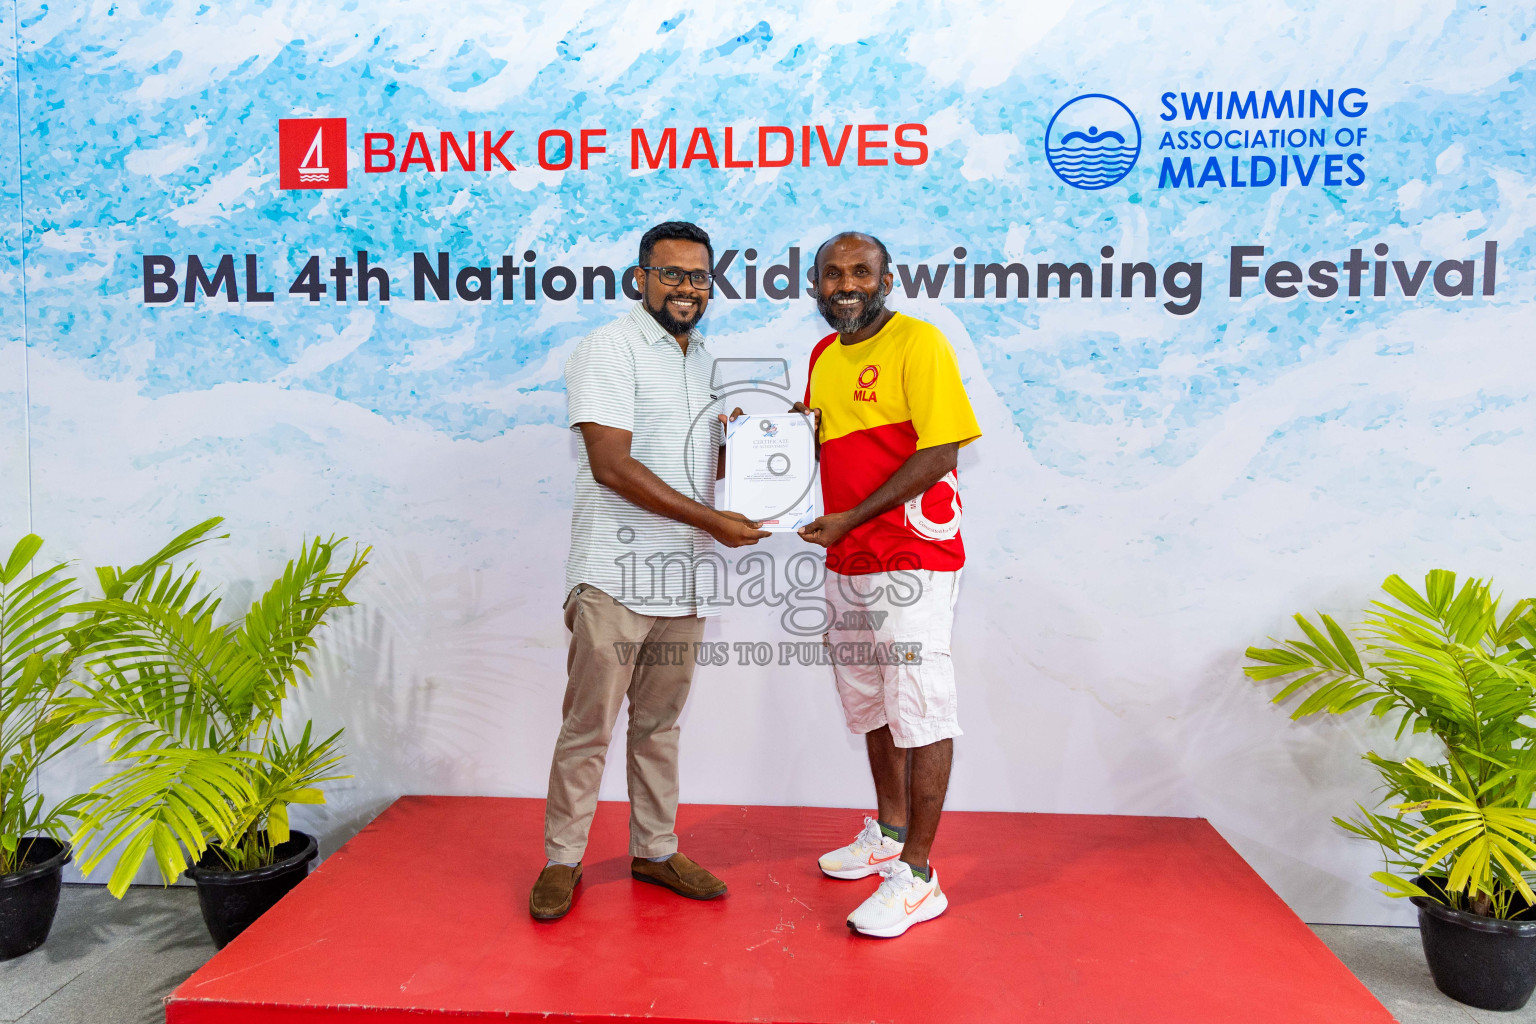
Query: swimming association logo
[[769, 428], [868, 376], [1092, 141], [312, 152]]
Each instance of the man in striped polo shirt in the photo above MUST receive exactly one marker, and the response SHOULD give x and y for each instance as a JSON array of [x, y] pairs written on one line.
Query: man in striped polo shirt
[[642, 521]]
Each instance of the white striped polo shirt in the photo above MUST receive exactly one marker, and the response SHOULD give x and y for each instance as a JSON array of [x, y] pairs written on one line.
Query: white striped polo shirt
[[633, 376]]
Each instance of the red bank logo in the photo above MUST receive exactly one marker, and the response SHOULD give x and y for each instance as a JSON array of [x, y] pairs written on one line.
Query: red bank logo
[[312, 152]]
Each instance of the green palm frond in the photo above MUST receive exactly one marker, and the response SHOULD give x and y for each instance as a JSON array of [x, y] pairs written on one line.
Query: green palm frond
[[119, 582], [166, 801], [279, 627], [175, 667], [1448, 664]]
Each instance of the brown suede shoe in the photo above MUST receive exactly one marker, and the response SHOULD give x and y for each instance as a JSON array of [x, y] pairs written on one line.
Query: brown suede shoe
[[553, 892], [679, 874]]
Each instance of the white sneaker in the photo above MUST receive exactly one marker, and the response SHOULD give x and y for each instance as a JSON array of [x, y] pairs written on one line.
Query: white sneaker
[[865, 856], [902, 901]]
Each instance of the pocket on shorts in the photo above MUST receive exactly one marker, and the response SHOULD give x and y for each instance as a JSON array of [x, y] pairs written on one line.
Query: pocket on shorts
[[911, 699], [926, 688]]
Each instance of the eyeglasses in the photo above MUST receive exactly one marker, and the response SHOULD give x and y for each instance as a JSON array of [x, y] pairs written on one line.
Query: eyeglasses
[[703, 280]]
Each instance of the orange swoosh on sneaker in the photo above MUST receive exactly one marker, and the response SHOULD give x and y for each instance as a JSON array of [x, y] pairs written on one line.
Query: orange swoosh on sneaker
[[881, 860], [913, 906]]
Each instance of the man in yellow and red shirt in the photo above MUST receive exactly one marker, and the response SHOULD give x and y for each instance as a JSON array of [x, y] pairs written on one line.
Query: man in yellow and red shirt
[[892, 415]]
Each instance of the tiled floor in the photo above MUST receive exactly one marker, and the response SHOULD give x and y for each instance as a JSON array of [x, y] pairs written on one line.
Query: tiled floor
[[1391, 963], [111, 962], [107, 961]]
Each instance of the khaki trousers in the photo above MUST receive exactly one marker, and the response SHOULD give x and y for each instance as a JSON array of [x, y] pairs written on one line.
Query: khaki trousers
[[605, 663]]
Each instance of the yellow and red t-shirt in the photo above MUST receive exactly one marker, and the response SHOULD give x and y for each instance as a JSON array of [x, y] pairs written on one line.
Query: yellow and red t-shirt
[[881, 400]]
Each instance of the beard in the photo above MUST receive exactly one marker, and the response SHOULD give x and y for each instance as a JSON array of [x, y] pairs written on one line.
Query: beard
[[669, 321], [851, 319]]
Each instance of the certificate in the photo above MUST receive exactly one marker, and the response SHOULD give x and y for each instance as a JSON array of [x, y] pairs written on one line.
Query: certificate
[[770, 470]]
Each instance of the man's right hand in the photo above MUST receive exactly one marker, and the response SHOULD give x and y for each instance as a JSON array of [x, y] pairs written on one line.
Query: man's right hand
[[735, 530]]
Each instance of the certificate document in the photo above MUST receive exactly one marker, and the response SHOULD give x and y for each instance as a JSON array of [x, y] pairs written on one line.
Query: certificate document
[[770, 470]]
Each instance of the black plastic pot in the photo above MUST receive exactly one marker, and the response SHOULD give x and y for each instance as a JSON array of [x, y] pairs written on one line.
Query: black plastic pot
[[232, 900], [30, 897], [1481, 961]]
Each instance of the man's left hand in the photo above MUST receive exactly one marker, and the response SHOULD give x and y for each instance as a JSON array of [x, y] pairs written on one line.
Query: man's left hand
[[827, 530]]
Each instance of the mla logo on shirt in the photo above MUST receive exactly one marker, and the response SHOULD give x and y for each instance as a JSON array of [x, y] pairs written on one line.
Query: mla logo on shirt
[[312, 152], [867, 378]]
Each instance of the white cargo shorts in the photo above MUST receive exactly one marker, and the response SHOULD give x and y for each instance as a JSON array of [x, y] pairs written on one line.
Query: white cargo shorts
[[889, 645]]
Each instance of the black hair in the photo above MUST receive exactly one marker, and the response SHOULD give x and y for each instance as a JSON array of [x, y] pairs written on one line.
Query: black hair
[[674, 229], [885, 254]]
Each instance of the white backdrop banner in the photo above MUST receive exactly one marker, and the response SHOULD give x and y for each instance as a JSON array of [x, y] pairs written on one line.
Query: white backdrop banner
[[1241, 293]]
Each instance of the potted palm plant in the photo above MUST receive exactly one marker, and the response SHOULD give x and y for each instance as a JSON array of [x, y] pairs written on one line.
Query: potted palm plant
[[191, 708], [42, 636], [1458, 833]]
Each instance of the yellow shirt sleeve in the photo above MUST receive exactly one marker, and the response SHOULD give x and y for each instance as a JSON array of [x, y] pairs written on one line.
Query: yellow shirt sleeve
[[941, 411]]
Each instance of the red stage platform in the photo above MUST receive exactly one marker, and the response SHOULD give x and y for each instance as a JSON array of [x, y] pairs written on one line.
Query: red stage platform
[[1067, 918]]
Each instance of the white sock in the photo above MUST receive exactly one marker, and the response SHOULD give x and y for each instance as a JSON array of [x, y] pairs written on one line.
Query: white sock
[[659, 860], [562, 863]]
